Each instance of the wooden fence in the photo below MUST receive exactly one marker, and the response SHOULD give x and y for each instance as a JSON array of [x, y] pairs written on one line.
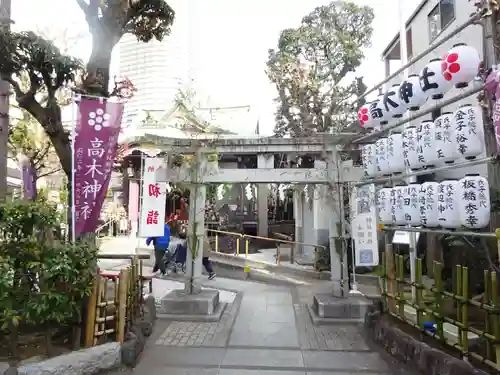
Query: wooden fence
[[445, 315], [115, 302]]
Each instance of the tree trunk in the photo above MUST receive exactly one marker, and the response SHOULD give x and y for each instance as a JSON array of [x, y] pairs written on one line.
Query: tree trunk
[[5, 12], [97, 80]]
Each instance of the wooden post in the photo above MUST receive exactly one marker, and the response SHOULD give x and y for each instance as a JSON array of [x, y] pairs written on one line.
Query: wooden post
[[91, 312], [123, 285]]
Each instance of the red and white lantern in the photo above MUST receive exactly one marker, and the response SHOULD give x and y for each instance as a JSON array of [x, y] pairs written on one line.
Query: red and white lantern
[[432, 81], [460, 65], [364, 117]]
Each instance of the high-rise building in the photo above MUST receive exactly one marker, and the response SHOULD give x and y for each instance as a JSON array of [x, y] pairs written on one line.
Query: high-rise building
[[157, 69]]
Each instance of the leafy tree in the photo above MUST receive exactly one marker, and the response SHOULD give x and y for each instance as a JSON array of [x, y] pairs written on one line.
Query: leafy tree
[[311, 67], [49, 70]]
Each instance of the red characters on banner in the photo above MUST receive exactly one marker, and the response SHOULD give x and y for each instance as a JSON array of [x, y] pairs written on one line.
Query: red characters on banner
[[154, 190], [152, 217]]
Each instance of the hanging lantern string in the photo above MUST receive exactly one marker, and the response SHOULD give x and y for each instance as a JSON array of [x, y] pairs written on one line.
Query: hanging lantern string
[[426, 171], [444, 103]]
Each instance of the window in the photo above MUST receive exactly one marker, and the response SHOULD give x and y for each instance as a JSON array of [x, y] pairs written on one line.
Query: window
[[440, 17]]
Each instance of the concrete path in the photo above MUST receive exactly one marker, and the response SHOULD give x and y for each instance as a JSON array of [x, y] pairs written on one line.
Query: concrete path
[[265, 330]]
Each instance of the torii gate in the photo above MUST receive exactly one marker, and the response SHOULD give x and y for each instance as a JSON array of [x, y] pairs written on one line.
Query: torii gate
[[203, 168]]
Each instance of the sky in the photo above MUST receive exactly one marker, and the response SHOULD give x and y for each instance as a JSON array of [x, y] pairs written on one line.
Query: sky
[[232, 43]]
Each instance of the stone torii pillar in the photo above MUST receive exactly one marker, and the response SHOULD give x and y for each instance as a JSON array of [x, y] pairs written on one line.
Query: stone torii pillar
[[263, 161]]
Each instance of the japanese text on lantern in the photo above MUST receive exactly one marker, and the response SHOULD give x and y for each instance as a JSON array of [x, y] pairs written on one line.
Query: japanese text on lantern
[[442, 134], [406, 92], [390, 148], [375, 110], [381, 203], [367, 157], [409, 145], [393, 203], [422, 204], [420, 144], [474, 194], [389, 98], [380, 153], [425, 82], [461, 126]]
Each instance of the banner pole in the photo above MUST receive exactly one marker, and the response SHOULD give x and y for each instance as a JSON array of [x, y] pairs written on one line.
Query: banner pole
[[73, 200], [141, 190]]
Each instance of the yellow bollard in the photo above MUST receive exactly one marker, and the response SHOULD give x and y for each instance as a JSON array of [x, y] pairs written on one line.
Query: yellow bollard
[[246, 271], [238, 246], [246, 248], [216, 242]]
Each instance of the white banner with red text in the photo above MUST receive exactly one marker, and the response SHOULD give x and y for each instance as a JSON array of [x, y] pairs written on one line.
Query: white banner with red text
[[154, 197]]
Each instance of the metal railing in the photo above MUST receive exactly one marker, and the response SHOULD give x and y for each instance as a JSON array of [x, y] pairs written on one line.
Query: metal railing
[[278, 243]]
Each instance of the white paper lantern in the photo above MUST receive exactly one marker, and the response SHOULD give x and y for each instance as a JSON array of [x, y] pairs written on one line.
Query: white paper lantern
[[432, 80], [397, 205], [368, 159], [445, 140], [460, 65], [474, 201], [411, 205], [378, 114], [395, 153], [381, 157], [469, 131], [384, 206], [411, 94], [392, 102], [428, 204], [410, 153], [426, 147], [364, 118], [448, 204]]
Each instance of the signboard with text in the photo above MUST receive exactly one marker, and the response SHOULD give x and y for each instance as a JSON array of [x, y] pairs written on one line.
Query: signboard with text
[[152, 220], [364, 226], [95, 145]]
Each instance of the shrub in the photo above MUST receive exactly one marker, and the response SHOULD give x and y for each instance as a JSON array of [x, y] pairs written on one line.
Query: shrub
[[43, 281]]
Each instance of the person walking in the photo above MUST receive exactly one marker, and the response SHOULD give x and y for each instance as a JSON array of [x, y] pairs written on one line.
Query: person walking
[[207, 263], [161, 247]]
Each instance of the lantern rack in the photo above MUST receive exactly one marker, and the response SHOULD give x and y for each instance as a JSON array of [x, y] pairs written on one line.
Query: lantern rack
[[437, 231], [403, 176], [474, 19], [419, 114]]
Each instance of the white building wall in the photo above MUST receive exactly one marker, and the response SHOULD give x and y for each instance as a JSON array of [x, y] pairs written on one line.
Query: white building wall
[[421, 40], [158, 69]]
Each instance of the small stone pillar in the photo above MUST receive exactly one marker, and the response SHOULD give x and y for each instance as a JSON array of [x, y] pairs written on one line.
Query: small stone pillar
[[263, 161], [298, 202]]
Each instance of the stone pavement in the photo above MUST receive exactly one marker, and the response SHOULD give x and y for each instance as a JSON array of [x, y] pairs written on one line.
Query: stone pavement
[[265, 330]]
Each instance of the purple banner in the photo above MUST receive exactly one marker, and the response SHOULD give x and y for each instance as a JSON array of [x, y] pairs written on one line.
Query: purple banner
[[492, 85], [29, 186], [97, 128]]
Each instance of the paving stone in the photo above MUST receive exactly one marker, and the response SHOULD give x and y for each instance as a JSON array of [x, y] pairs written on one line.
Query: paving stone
[[196, 334], [344, 361], [263, 358], [259, 372]]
